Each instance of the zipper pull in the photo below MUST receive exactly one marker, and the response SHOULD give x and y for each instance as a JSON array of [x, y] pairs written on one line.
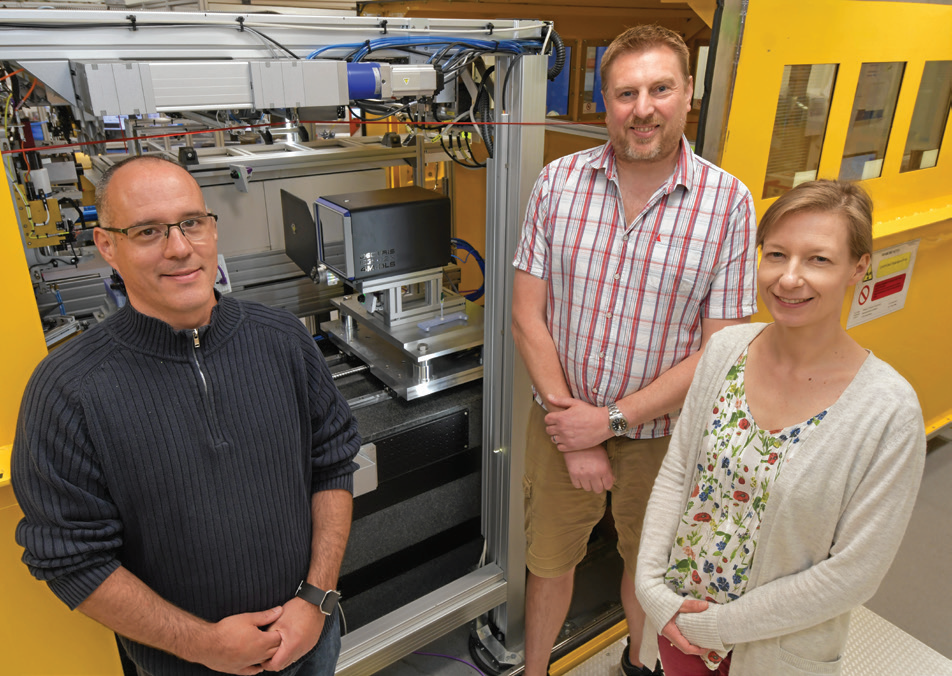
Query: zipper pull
[[195, 338]]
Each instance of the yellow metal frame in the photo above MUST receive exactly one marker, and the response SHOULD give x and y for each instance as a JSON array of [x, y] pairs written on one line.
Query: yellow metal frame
[[909, 206], [40, 634]]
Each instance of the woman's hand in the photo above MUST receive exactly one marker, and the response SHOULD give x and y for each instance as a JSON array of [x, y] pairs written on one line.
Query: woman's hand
[[674, 635]]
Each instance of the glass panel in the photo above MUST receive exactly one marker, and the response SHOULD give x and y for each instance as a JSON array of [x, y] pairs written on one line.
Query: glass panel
[[592, 101], [557, 90], [929, 117], [871, 120], [799, 126]]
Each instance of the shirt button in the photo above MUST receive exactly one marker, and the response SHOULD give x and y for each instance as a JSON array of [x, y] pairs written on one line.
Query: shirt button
[[625, 238], [617, 276], [595, 390], [608, 314]]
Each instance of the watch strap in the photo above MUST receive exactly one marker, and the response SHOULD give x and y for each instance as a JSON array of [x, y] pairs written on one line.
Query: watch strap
[[326, 601]]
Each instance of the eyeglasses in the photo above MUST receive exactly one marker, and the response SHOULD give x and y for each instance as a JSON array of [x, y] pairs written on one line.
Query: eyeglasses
[[195, 229]]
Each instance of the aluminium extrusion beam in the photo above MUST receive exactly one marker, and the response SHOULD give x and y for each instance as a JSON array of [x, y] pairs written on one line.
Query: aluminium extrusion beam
[[286, 160], [512, 173], [91, 35], [368, 649]]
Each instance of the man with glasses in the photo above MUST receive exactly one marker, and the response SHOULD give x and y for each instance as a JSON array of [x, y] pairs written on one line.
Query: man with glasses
[[186, 467]]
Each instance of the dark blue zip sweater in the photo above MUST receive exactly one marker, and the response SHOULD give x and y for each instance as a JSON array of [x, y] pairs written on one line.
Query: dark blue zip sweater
[[188, 457]]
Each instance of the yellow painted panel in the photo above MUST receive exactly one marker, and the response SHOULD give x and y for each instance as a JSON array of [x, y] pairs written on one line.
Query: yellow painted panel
[[22, 344], [40, 634], [915, 340], [5, 464], [913, 205], [847, 33]]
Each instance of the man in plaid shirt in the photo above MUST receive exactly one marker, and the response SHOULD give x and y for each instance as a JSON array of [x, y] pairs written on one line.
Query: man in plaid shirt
[[632, 255]]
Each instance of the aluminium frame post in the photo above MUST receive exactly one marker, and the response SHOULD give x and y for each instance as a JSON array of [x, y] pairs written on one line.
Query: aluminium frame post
[[513, 170]]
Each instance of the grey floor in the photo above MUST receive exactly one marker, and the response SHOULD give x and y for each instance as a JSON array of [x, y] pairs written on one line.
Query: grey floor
[[914, 596]]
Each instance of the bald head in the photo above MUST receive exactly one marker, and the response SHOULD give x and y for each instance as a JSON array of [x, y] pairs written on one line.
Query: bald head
[[104, 202], [171, 278]]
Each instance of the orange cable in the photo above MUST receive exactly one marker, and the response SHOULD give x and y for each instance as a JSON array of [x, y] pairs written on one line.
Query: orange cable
[[18, 70]]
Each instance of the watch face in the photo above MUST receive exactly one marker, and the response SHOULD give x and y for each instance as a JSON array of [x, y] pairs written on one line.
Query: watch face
[[329, 603]]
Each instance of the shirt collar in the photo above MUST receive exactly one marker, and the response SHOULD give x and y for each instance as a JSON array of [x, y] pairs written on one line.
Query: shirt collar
[[684, 170]]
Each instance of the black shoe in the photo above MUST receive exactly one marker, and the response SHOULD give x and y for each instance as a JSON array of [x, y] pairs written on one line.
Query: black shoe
[[629, 669]]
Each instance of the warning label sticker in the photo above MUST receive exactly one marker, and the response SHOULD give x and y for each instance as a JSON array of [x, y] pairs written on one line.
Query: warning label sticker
[[883, 289]]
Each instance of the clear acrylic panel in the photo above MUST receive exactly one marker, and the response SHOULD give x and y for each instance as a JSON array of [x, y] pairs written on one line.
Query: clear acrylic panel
[[871, 120], [592, 102], [929, 117], [803, 109]]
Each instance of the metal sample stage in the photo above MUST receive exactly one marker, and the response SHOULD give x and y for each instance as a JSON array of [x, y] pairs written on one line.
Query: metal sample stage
[[411, 361]]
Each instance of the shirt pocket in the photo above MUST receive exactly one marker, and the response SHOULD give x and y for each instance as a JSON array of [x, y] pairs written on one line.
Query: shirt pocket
[[677, 268]]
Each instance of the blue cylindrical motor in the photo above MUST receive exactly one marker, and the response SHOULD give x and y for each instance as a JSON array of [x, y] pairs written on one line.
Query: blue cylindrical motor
[[363, 80]]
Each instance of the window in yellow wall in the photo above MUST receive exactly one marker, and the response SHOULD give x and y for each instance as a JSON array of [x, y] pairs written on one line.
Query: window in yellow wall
[[929, 117], [803, 109], [871, 120]]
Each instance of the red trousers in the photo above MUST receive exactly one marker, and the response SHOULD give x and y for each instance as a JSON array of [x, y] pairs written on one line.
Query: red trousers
[[676, 663]]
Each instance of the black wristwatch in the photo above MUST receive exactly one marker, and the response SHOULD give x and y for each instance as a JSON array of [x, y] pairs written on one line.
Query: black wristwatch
[[325, 600]]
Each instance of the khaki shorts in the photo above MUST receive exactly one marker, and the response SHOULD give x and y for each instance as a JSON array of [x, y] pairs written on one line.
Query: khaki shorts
[[560, 517]]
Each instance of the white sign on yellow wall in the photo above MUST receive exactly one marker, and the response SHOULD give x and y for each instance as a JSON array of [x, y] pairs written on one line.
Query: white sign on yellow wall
[[884, 288]]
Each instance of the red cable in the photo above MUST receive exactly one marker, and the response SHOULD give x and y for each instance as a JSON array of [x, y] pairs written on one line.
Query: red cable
[[271, 124]]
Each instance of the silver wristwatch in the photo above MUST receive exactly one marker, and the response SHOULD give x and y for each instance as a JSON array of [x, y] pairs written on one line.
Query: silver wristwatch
[[616, 420]]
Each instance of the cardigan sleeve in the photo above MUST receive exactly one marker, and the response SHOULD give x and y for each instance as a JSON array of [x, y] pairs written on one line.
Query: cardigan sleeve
[[866, 538], [71, 529]]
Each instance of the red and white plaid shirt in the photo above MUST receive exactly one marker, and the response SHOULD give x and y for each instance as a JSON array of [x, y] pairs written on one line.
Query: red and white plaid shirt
[[625, 303]]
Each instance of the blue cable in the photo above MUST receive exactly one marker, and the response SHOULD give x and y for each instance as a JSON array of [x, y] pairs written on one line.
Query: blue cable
[[511, 46], [321, 50], [469, 248], [59, 301]]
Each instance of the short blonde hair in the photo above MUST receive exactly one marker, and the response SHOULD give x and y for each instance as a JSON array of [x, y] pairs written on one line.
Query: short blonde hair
[[826, 196], [642, 38]]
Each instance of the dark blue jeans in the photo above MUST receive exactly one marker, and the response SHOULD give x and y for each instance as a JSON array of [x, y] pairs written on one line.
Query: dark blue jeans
[[322, 660]]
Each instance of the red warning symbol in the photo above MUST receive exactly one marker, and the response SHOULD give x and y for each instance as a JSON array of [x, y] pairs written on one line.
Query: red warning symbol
[[863, 295]]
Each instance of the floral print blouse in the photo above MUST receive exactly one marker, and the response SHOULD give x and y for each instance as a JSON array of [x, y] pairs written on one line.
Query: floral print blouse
[[717, 536]]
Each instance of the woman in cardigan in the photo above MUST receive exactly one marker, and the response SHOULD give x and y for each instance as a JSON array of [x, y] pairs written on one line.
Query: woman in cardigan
[[793, 468]]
